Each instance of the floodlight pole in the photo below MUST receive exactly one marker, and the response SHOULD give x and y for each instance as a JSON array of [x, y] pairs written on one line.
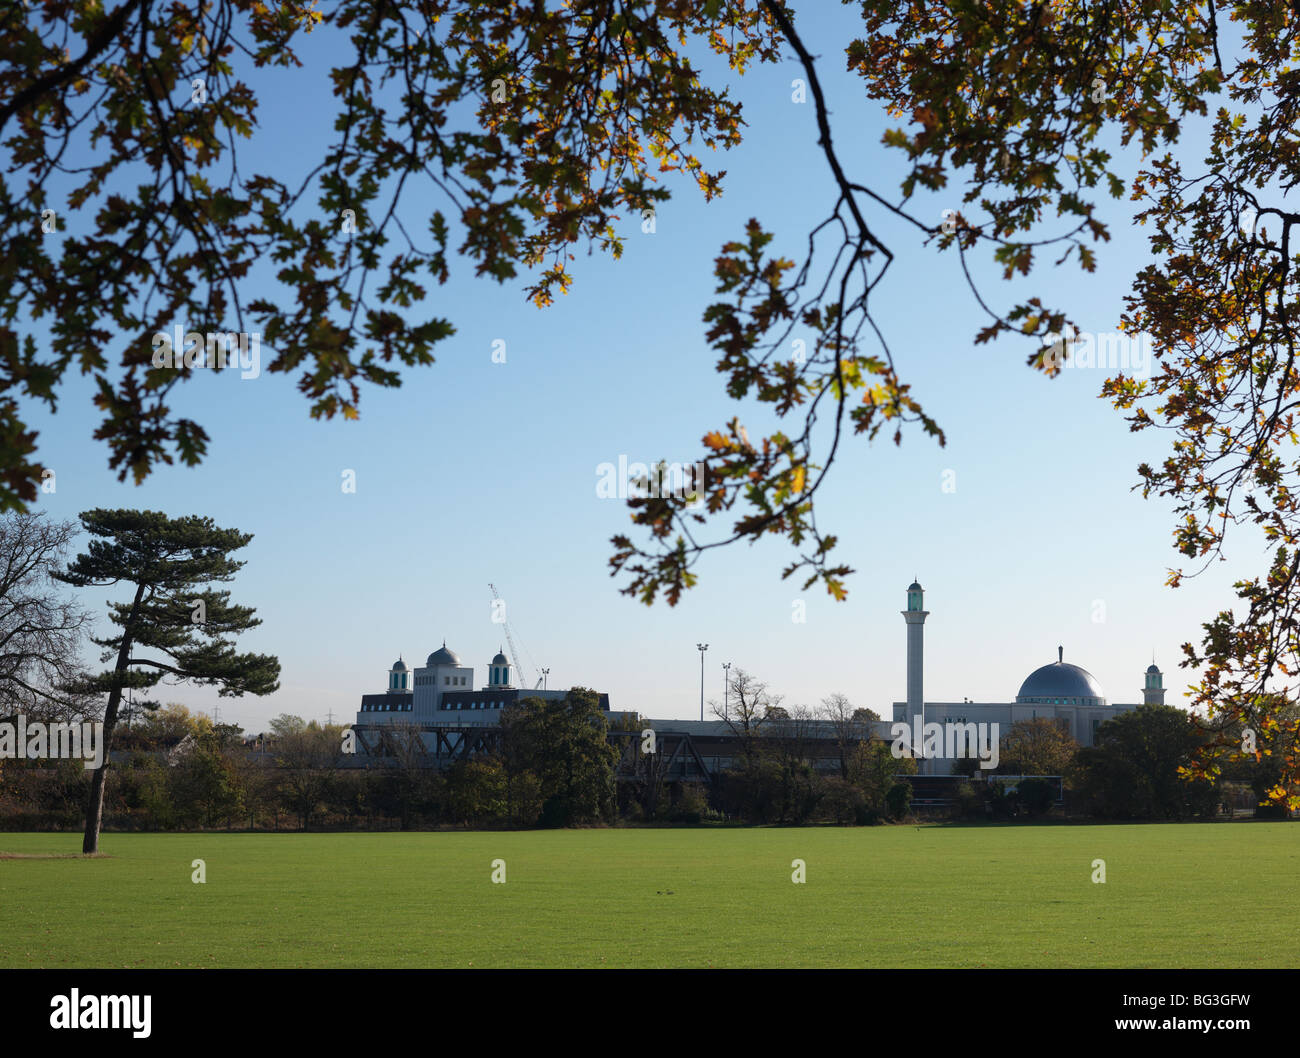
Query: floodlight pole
[[701, 647]]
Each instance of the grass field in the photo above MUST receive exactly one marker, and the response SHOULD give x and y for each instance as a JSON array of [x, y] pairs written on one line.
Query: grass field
[[1175, 896]]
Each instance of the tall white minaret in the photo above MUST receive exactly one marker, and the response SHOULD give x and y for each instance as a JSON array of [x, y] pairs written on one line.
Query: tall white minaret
[[915, 616]]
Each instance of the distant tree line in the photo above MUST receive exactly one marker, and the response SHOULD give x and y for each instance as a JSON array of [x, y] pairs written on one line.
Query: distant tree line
[[1146, 764], [555, 767], [178, 771], [175, 770]]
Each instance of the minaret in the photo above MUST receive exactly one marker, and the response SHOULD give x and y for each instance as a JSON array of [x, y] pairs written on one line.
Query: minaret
[[1154, 691], [399, 679], [915, 616], [499, 672]]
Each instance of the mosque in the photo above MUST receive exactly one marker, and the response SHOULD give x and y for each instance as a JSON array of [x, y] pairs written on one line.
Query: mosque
[[1059, 691], [439, 700], [441, 695]]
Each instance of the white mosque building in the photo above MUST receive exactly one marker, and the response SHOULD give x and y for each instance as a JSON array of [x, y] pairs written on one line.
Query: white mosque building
[[439, 700], [1059, 691], [441, 694]]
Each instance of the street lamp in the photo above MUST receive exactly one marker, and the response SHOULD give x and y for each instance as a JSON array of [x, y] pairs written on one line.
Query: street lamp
[[726, 686], [701, 647]]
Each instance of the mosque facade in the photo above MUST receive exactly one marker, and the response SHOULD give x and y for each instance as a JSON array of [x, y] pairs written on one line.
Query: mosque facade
[[1060, 691], [440, 694]]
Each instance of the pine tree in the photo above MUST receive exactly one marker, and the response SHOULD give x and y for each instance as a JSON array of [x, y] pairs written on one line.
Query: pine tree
[[175, 612]]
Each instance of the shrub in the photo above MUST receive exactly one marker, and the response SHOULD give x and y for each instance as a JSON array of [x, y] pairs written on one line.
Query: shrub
[[968, 802], [841, 800], [1004, 805], [899, 799], [1037, 795], [690, 807]]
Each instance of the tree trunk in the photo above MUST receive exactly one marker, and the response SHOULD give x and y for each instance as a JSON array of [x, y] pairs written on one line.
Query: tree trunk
[[95, 807]]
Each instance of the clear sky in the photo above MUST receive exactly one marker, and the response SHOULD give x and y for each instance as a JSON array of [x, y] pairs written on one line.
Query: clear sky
[[475, 471]]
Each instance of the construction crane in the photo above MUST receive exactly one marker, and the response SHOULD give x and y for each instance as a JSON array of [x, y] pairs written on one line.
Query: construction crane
[[510, 641]]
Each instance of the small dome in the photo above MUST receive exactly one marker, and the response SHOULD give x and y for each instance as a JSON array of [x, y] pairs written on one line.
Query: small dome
[[1153, 667], [500, 659], [914, 586], [442, 656], [399, 665]]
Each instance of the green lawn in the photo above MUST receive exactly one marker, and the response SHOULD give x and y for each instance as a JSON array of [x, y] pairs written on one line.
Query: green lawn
[[1222, 895]]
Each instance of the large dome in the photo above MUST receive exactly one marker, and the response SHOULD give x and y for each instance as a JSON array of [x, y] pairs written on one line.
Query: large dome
[[1061, 684], [442, 656]]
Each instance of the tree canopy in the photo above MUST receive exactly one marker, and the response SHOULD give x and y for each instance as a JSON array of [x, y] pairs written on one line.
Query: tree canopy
[[1135, 769], [562, 741]]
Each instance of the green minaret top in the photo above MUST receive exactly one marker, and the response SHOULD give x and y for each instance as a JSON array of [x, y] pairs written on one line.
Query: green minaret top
[[915, 597]]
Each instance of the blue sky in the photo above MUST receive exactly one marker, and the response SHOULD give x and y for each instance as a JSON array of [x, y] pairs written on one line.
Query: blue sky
[[475, 471]]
